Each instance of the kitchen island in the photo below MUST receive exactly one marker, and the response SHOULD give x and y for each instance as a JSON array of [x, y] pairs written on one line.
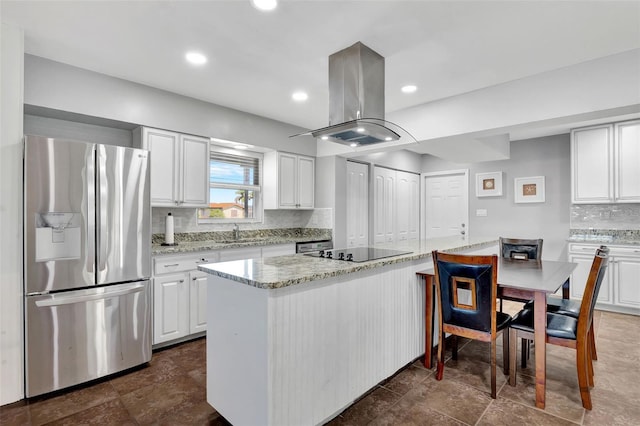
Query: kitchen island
[[294, 340]]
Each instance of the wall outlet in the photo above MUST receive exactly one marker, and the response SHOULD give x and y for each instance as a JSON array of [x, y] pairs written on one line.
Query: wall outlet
[[481, 212]]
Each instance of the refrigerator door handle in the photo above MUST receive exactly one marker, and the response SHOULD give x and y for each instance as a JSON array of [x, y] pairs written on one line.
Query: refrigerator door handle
[[68, 300], [90, 187], [101, 210]]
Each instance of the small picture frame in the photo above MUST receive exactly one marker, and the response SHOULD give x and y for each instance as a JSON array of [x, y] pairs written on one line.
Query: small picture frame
[[489, 184], [529, 189]]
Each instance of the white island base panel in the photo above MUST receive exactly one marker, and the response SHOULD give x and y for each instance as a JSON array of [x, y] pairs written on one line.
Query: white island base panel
[[300, 355]]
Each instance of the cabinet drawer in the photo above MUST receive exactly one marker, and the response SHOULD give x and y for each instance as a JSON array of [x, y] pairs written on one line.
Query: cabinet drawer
[[582, 248], [167, 265]]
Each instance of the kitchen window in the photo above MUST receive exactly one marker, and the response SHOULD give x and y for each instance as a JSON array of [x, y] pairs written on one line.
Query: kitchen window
[[234, 187]]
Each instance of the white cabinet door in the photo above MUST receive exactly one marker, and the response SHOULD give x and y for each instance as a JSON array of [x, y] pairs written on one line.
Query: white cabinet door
[[194, 182], [306, 182], [626, 275], [580, 275], [414, 207], [165, 170], [170, 307], [357, 204], [627, 162], [287, 181], [198, 302], [592, 164]]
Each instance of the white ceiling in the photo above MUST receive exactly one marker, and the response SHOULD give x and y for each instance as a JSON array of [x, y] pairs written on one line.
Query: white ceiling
[[257, 59]]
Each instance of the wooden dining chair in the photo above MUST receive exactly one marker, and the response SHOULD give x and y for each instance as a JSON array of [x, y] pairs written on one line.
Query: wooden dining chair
[[571, 308], [567, 331], [519, 249], [466, 288]]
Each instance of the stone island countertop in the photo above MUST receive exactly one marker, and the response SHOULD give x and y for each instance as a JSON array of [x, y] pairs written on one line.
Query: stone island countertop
[[284, 271]]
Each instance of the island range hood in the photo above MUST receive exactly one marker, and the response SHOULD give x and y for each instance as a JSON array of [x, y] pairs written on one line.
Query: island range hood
[[356, 100]]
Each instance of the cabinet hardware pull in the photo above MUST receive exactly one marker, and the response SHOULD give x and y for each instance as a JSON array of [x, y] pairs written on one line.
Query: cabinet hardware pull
[[173, 264], [195, 278], [181, 281]]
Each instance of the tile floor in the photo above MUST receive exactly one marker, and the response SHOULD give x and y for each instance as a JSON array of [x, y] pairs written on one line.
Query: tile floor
[[171, 391]]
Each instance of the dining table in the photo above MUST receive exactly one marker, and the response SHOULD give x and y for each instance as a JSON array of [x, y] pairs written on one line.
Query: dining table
[[520, 280]]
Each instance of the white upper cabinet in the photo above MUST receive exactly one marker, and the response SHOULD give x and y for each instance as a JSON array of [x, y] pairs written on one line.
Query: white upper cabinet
[[605, 163], [179, 167], [289, 181], [627, 162]]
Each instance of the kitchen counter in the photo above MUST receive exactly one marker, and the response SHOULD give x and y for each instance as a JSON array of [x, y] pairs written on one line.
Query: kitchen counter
[[605, 236], [208, 241], [284, 271], [304, 337]]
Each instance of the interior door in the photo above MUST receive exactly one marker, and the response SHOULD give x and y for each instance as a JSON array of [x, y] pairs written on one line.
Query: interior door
[[357, 204], [446, 204]]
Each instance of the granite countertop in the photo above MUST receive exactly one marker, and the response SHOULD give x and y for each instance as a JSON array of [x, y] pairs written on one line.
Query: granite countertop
[[221, 240], [605, 236], [284, 271], [207, 245]]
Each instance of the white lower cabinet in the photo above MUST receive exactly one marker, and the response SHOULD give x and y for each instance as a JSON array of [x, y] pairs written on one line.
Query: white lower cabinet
[[620, 289], [197, 302], [180, 289], [170, 307], [179, 296]]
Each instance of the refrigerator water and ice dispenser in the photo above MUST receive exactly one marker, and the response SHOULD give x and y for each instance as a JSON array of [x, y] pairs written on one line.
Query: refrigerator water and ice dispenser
[[57, 236]]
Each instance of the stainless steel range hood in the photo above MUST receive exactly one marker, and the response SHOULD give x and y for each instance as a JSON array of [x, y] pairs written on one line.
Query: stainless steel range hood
[[356, 100]]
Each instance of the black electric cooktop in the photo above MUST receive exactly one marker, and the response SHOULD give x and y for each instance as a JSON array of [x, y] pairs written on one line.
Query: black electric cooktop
[[357, 254]]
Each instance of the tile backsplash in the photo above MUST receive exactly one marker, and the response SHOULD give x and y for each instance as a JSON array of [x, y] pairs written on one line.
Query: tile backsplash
[[185, 220], [605, 216]]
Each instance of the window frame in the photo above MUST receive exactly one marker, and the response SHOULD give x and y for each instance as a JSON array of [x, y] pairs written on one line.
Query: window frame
[[258, 189]]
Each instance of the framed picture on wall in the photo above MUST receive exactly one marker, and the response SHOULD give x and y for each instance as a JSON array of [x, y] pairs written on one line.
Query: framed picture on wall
[[529, 189], [489, 184]]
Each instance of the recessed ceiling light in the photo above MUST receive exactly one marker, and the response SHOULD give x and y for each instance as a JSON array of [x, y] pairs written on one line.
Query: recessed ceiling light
[[196, 58], [388, 138], [410, 88], [360, 130], [265, 5], [300, 96], [354, 145], [324, 138]]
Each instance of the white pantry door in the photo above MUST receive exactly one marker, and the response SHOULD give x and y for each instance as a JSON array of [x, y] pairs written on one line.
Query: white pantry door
[[446, 203], [357, 204]]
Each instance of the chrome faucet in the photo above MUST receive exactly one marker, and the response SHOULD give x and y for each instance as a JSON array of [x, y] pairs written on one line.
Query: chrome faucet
[[236, 232]]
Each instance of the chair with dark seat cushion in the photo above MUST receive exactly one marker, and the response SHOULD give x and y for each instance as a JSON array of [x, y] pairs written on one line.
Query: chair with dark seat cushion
[[565, 330], [466, 289], [570, 308]]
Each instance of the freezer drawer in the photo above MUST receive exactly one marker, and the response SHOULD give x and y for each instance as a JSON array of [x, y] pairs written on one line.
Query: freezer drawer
[[76, 336]]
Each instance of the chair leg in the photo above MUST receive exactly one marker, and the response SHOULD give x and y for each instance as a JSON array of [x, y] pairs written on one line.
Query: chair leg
[[513, 348], [493, 368], [454, 347], [589, 365], [583, 381], [440, 363], [592, 343], [505, 352]]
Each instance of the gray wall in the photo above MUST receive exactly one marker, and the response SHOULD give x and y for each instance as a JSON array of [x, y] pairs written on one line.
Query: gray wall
[[400, 160], [53, 85], [549, 157]]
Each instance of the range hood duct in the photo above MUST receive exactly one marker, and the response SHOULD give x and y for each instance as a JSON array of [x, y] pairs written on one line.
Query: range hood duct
[[356, 100]]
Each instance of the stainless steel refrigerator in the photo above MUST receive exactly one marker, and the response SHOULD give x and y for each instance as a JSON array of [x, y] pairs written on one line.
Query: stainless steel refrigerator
[[87, 261]]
